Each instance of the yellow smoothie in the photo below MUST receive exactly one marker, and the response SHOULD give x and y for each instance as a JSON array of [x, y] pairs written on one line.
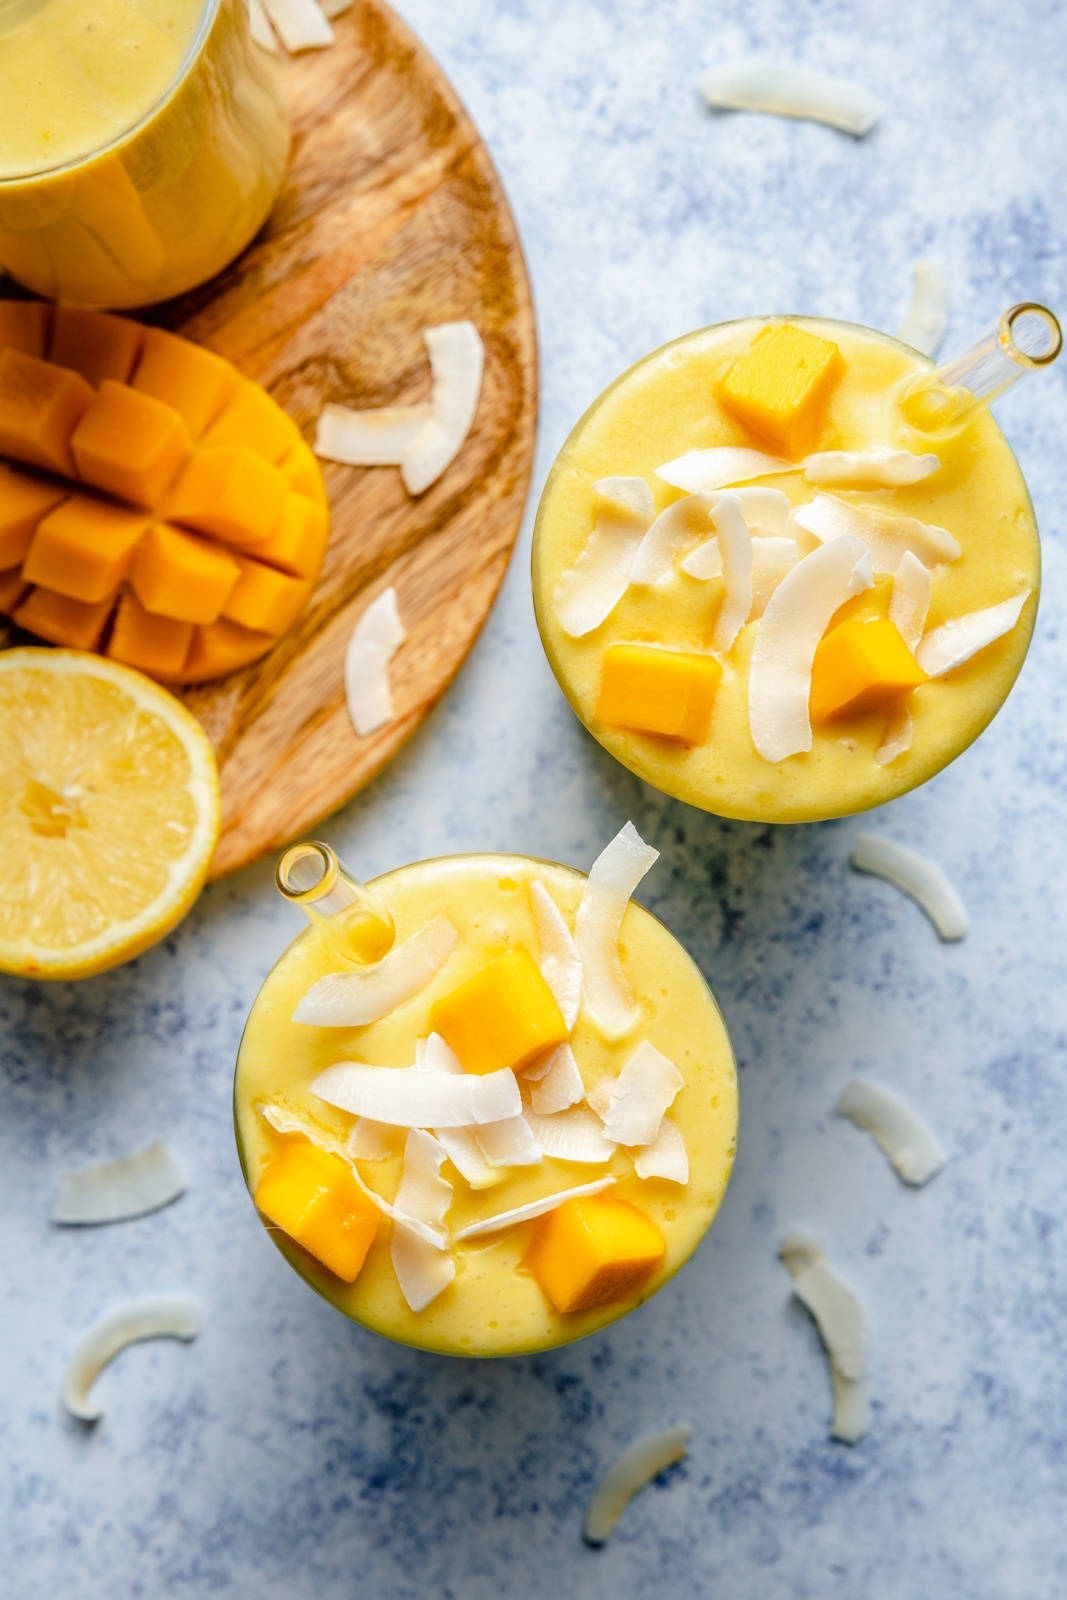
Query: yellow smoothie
[[666, 406], [495, 1305], [142, 143]]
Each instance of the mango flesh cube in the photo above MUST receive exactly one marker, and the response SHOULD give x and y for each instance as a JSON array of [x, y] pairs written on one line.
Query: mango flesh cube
[[251, 419], [95, 344], [593, 1250], [158, 645], [504, 1016], [668, 692], [223, 647], [60, 620], [313, 1197], [194, 381], [23, 502], [12, 588], [233, 493], [298, 544], [129, 444], [265, 600], [178, 575], [83, 548], [40, 406], [861, 665], [780, 386], [25, 325], [304, 473]]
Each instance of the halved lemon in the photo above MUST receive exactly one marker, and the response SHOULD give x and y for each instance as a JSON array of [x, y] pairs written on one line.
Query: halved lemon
[[109, 812]]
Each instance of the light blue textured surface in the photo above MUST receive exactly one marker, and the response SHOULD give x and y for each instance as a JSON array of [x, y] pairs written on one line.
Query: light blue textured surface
[[286, 1453]]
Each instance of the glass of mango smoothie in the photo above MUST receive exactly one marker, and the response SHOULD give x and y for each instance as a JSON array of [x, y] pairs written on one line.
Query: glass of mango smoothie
[[485, 1104], [786, 569], [142, 143]]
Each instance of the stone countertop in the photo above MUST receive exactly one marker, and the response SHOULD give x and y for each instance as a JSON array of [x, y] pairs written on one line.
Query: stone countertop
[[286, 1453]]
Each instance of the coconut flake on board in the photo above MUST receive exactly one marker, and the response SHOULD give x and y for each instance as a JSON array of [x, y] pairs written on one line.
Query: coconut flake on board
[[699, 471], [924, 326], [376, 638], [672, 531], [533, 1208], [354, 999], [887, 534], [899, 730], [839, 1319], [260, 28], [798, 614], [379, 438], [635, 1468], [947, 647], [457, 362], [907, 1142], [641, 1095], [787, 90], [157, 1316], [612, 879], [665, 1156], [588, 592], [560, 1086], [921, 880], [114, 1191], [878, 467], [419, 1099], [910, 599], [300, 24], [735, 551], [561, 965], [572, 1135]]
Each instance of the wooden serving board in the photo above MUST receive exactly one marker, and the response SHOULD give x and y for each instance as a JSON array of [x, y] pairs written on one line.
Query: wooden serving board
[[392, 219]]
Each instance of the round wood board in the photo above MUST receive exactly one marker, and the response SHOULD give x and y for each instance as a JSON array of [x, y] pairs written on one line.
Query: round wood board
[[392, 219]]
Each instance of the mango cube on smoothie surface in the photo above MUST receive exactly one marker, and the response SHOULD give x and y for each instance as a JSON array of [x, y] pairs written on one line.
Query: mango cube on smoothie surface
[[232, 493], [40, 406], [83, 549], [505, 1016], [194, 381], [23, 502], [94, 344], [667, 692], [593, 1250], [779, 387], [129, 444], [859, 666], [151, 643], [179, 575], [313, 1197]]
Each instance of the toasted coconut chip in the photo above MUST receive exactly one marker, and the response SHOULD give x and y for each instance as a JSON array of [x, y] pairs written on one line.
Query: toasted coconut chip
[[354, 999], [666, 1156], [641, 1095], [336, 8], [114, 1191], [887, 535], [635, 1468], [673, 530], [572, 1135], [735, 550], [156, 1316], [852, 1408], [376, 638], [927, 318], [424, 1196], [459, 1144], [911, 1148], [613, 878], [701, 470], [703, 562], [765, 510], [798, 614], [879, 467], [260, 28], [954, 642], [772, 559], [508, 1143], [378, 438], [370, 1141], [561, 965], [896, 740], [839, 1319], [561, 1086], [457, 361], [533, 1208], [419, 1099], [910, 600], [921, 880], [589, 591], [787, 90], [300, 24], [422, 1271]]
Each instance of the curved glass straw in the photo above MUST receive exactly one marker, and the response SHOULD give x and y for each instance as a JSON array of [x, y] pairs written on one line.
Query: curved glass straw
[[358, 926], [1026, 338]]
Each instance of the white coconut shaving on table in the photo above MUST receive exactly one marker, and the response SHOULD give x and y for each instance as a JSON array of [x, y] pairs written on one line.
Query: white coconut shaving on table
[[839, 1319], [899, 731], [921, 880], [672, 531], [379, 438], [114, 1191], [260, 28], [457, 362], [635, 1468], [354, 999], [158, 1316], [561, 965], [588, 592], [907, 1142], [700, 471], [532, 1209], [875, 468], [376, 638], [419, 1099], [887, 535], [665, 1157], [613, 877], [787, 90], [508, 1143], [910, 599], [927, 317], [560, 1086], [572, 1135], [641, 1096], [300, 24], [947, 647], [735, 551]]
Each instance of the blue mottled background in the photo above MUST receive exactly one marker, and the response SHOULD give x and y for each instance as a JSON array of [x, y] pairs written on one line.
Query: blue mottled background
[[289, 1454]]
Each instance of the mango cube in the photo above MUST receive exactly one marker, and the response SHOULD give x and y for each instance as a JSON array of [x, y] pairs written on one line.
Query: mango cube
[[23, 502], [298, 544], [83, 548], [251, 419], [25, 325], [593, 1250], [303, 472], [669, 692], [159, 645], [95, 344], [178, 575], [55, 617], [13, 587], [861, 665], [40, 406], [313, 1197], [129, 444], [504, 1016], [223, 647], [265, 600], [780, 386], [193, 381], [232, 493]]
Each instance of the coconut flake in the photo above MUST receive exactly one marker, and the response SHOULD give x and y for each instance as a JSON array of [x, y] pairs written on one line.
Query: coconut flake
[[589, 591], [703, 562], [927, 318], [797, 615], [459, 1144], [419, 1099], [114, 1191], [839, 1319], [509, 1143], [336, 8], [354, 999], [301, 24], [945, 648], [561, 1086], [699, 471], [910, 600], [260, 28], [880, 467], [665, 1157], [641, 1095], [533, 1208], [421, 1270], [376, 638], [370, 1141], [613, 878], [772, 559], [457, 361], [424, 1196], [157, 1316], [682, 522], [921, 880], [561, 965], [787, 90], [911, 1148], [635, 1468], [380, 438], [572, 1135], [896, 740], [886, 534], [735, 550]]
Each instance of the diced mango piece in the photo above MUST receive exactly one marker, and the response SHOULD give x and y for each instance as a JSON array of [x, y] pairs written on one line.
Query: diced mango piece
[[593, 1250], [95, 344], [223, 647], [233, 493], [298, 544], [178, 575], [304, 473], [780, 386], [13, 587], [194, 381], [669, 692], [251, 418], [861, 665], [84, 547], [156, 645], [23, 502], [130, 444], [264, 599], [313, 1196], [60, 620], [504, 1016], [40, 406], [25, 325]]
